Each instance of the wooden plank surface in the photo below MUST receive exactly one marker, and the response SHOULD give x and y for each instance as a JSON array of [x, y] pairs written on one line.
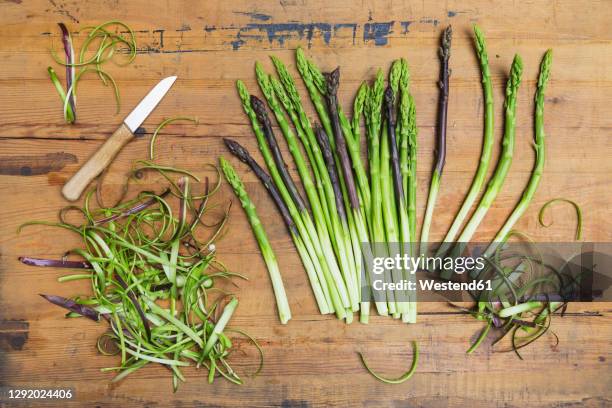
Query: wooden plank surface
[[312, 361]]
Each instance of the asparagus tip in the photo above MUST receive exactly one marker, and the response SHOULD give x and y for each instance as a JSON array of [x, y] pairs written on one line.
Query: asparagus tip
[[333, 80], [320, 131], [389, 96], [544, 71], [480, 40], [447, 36], [259, 108], [299, 54], [516, 70], [236, 149]]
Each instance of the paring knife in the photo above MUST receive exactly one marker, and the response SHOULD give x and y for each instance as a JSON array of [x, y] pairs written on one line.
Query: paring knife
[[93, 167]]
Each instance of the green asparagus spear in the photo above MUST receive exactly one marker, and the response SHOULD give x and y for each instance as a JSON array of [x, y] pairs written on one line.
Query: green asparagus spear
[[284, 313], [538, 168]]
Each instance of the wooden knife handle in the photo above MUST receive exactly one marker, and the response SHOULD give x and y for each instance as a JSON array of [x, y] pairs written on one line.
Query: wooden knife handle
[[99, 161]]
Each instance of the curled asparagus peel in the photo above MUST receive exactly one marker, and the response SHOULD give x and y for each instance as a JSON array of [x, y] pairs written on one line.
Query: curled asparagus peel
[[70, 69], [444, 85], [487, 145], [72, 306], [107, 41], [563, 200], [228, 311], [539, 146], [284, 312], [404, 377], [69, 115], [55, 263], [144, 234]]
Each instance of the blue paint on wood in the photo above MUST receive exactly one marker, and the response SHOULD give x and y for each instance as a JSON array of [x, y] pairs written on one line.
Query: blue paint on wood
[[280, 32], [377, 32], [236, 44], [405, 25]]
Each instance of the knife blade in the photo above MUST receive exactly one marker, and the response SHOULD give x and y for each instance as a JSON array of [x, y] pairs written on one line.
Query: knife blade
[[73, 189]]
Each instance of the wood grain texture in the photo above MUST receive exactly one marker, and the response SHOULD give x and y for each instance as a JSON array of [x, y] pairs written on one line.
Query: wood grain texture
[[312, 361]]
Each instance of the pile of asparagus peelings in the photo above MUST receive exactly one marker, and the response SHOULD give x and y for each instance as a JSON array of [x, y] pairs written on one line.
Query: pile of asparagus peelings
[[347, 205]]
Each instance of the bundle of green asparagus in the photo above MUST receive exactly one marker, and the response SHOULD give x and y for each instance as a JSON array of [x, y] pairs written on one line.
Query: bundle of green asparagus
[[351, 204]]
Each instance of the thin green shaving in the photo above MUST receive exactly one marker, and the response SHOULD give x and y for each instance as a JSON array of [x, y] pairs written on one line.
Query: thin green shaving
[[404, 377], [155, 277], [563, 200], [163, 125], [108, 41]]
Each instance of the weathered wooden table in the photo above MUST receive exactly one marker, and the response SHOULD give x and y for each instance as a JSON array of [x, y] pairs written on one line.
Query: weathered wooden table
[[312, 360]]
